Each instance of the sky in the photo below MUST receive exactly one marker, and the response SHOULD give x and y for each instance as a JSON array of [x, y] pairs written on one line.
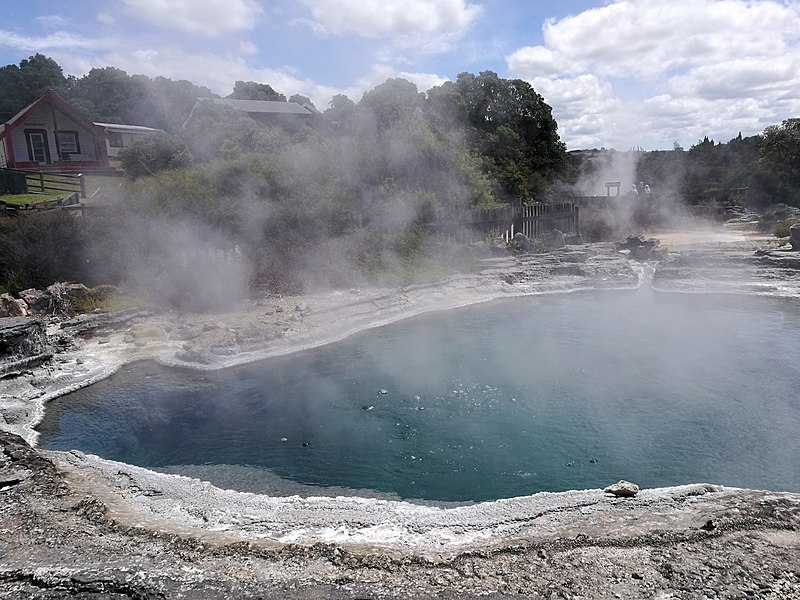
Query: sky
[[618, 74]]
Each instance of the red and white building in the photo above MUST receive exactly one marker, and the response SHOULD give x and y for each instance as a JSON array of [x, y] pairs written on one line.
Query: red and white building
[[52, 135]]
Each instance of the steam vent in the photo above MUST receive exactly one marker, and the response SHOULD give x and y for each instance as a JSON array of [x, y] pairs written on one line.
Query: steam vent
[[334, 300]]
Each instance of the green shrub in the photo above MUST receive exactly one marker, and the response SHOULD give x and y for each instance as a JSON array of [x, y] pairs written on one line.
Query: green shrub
[[41, 248], [157, 152]]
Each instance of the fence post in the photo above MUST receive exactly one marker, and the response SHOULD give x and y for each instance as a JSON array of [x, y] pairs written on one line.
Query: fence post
[[83, 185]]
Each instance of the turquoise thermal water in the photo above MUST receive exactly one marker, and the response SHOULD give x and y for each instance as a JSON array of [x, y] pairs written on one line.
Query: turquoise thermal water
[[496, 400]]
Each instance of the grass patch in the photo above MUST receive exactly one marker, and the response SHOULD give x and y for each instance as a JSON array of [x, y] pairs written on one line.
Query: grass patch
[[20, 199], [92, 183], [104, 298]]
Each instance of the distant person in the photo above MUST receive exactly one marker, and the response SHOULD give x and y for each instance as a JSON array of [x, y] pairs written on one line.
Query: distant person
[[647, 191], [634, 191]]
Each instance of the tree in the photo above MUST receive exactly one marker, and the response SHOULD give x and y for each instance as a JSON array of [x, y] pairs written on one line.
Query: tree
[[110, 94], [509, 124], [250, 90], [392, 100], [341, 113], [778, 174], [302, 100], [214, 131], [780, 151], [156, 152], [23, 84]]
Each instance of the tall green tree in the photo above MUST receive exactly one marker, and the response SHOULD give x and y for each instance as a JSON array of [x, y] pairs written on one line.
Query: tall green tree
[[778, 173], [302, 100], [341, 113], [509, 124], [109, 94], [21, 85], [391, 101], [250, 90]]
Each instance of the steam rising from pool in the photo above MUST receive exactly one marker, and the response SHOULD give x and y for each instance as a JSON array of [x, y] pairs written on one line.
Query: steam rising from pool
[[497, 400]]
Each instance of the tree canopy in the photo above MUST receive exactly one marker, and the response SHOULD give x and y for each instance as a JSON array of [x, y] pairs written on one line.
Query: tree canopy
[[509, 124], [21, 85], [250, 90]]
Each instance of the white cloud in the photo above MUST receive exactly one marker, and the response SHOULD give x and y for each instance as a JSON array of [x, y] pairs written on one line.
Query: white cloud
[[106, 18], [433, 23], [57, 40], [249, 48], [217, 71], [379, 73], [739, 78], [53, 21], [538, 61], [202, 17], [705, 65], [586, 106]]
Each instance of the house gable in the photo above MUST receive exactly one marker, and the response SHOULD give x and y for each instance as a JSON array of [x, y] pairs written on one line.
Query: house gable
[[51, 134]]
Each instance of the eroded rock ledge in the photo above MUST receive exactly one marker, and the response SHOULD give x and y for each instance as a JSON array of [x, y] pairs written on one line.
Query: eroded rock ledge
[[64, 531]]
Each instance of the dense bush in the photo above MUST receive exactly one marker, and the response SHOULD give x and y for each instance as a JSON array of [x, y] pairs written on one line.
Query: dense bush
[[41, 248], [154, 153]]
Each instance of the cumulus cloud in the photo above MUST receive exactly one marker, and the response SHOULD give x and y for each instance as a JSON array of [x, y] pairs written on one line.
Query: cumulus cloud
[[538, 61], [201, 17], [405, 22], [704, 57], [740, 77], [380, 72], [585, 105]]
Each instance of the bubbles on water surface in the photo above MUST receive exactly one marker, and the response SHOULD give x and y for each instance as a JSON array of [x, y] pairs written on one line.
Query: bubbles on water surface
[[553, 413]]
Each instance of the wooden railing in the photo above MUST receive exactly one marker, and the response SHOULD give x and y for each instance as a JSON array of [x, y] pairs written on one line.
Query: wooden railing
[[51, 183], [533, 220]]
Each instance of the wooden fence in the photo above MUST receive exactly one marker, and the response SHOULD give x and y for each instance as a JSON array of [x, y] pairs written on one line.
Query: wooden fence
[[49, 183], [533, 220]]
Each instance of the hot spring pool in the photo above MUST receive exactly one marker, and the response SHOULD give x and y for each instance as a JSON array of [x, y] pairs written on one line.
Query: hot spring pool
[[496, 400]]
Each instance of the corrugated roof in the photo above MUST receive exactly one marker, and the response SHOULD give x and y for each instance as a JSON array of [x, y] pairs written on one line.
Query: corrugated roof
[[261, 106], [119, 127]]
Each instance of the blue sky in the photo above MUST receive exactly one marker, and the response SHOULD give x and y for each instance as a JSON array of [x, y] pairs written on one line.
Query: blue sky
[[618, 73]]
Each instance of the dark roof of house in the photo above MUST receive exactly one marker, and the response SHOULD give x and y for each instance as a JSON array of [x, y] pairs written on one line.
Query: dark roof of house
[[261, 106]]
